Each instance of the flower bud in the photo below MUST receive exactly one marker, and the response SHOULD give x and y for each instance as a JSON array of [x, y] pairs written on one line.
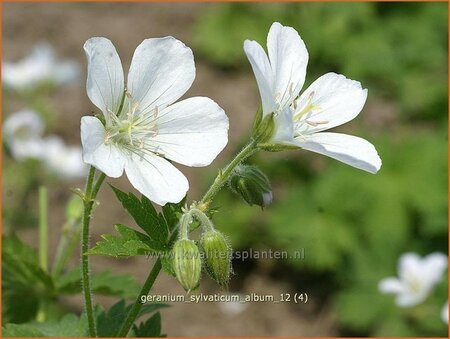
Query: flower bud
[[217, 254], [252, 185], [187, 263]]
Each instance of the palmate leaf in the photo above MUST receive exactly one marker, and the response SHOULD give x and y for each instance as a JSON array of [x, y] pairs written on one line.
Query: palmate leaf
[[145, 216], [129, 243], [68, 326], [106, 282], [109, 322], [151, 328]]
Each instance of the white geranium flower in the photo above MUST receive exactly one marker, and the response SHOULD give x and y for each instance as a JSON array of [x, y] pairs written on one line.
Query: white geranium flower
[[330, 101], [444, 313], [149, 127], [22, 133], [40, 66], [417, 278], [65, 161]]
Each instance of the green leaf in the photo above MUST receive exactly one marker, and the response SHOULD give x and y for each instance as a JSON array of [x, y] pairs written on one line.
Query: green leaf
[[109, 322], [145, 215], [68, 326], [129, 243], [151, 328], [105, 282], [172, 213], [24, 283]]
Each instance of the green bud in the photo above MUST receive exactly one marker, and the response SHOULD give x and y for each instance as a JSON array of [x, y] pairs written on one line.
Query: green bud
[[263, 127], [217, 254], [252, 185], [187, 263]]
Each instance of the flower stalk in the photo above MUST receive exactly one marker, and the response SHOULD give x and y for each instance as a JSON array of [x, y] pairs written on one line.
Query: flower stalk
[[88, 203], [222, 176]]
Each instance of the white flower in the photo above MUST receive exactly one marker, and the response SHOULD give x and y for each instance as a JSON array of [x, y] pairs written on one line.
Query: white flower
[[444, 313], [39, 67], [22, 133], [65, 161], [417, 278], [150, 127], [330, 101]]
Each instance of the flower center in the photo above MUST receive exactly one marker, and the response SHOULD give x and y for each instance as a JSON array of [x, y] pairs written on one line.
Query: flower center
[[133, 129]]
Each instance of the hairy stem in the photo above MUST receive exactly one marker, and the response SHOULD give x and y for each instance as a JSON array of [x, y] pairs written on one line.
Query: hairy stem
[[223, 175], [89, 198], [136, 308], [218, 183]]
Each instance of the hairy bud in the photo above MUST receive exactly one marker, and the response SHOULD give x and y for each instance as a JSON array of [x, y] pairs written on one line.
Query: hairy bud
[[217, 254], [187, 263], [252, 185]]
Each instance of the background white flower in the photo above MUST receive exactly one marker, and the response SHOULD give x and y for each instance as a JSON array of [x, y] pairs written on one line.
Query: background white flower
[[444, 313], [38, 67], [330, 101], [23, 134], [149, 127], [417, 278], [65, 161]]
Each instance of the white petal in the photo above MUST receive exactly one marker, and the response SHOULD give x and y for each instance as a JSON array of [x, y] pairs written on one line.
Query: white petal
[[409, 264], [33, 148], [65, 161], [351, 150], [410, 299], [161, 71], [288, 57], [434, 266], [156, 178], [23, 124], [107, 158], [335, 101], [263, 74], [391, 285], [192, 132], [105, 82]]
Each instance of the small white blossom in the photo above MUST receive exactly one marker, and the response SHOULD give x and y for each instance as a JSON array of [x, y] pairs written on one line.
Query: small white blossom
[[444, 313], [22, 132], [330, 101], [65, 161], [39, 67], [417, 278], [146, 127]]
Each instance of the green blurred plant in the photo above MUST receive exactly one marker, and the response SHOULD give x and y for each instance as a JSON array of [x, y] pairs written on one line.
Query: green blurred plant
[[398, 51]]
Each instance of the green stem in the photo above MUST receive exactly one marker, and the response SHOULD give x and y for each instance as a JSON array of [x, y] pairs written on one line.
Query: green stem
[[134, 312], [223, 175], [43, 228], [218, 183], [89, 198], [135, 309]]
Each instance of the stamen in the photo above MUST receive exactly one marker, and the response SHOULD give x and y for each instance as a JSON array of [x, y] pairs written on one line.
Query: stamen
[[316, 123]]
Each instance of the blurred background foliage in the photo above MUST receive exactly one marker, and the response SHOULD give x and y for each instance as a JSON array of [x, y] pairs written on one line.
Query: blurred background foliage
[[353, 226]]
